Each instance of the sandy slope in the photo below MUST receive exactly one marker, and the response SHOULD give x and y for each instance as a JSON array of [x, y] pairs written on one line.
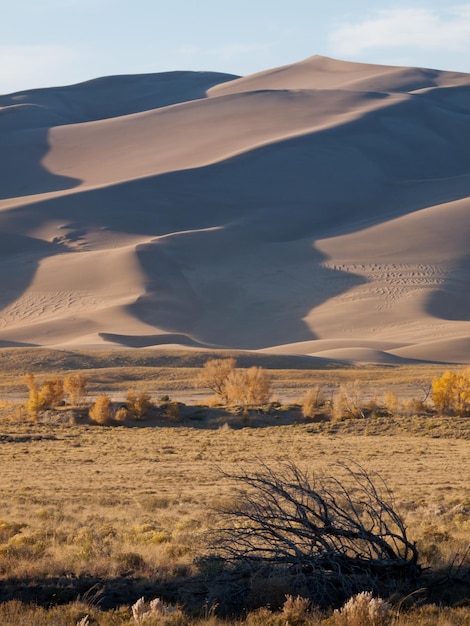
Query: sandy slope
[[320, 208]]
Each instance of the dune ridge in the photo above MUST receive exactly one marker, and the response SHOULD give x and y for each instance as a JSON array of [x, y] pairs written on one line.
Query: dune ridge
[[320, 208]]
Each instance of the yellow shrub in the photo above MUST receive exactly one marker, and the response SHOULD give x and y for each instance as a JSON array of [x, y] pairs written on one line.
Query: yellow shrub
[[451, 392], [214, 376], [138, 404], [101, 411], [248, 387], [348, 402], [75, 388], [312, 401], [391, 402], [49, 395]]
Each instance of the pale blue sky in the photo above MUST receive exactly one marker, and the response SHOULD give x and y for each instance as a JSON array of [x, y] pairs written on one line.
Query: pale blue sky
[[57, 42]]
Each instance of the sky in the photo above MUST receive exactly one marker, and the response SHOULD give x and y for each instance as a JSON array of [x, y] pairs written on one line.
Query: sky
[[46, 43]]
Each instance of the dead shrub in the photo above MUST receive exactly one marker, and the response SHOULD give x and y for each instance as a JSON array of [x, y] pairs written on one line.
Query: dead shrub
[[329, 538]]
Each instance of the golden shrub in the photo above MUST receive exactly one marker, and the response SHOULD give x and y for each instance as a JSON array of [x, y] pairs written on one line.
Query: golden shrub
[[138, 404], [451, 392], [312, 401], [248, 387], [75, 388], [391, 402], [49, 395], [348, 402], [214, 376], [101, 411]]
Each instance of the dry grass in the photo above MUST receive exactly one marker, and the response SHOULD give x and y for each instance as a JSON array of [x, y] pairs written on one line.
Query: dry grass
[[173, 372], [95, 503], [88, 494]]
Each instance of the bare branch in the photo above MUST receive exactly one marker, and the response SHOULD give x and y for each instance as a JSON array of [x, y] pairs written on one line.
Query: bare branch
[[338, 533]]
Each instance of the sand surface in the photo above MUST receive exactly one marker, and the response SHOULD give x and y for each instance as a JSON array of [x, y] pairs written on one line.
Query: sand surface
[[321, 208]]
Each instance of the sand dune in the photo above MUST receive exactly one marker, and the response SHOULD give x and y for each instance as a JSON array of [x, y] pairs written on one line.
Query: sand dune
[[320, 208]]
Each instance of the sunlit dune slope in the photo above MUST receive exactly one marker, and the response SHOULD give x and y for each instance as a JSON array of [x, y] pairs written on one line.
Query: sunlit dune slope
[[321, 208]]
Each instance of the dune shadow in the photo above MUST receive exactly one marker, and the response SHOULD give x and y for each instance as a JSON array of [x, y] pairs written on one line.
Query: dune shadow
[[23, 173], [145, 341], [113, 96], [20, 257], [27, 117], [16, 344], [452, 301], [239, 287]]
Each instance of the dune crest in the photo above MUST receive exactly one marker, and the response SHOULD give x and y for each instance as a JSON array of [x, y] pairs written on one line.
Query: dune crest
[[320, 208]]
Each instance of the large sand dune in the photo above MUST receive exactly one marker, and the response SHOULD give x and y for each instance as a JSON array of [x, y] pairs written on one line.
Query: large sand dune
[[321, 208]]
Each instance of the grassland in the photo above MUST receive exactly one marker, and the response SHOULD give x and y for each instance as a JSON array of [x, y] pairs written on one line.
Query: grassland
[[94, 517], [173, 372]]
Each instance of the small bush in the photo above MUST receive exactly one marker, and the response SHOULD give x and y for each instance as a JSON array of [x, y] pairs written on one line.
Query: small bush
[[248, 387], [312, 401], [296, 610], [129, 561], [392, 403], [9, 530], [138, 404], [173, 411], [49, 395], [413, 406], [101, 411], [363, 610], [75, 388], [122, 414], [214, 376], [348, 402], [155, 610]]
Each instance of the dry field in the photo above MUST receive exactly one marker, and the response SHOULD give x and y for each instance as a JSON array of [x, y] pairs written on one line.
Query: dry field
[[173, 372], [99, 516]]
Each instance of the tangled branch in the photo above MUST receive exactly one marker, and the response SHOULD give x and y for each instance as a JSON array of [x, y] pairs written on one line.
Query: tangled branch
[[335, 534]]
